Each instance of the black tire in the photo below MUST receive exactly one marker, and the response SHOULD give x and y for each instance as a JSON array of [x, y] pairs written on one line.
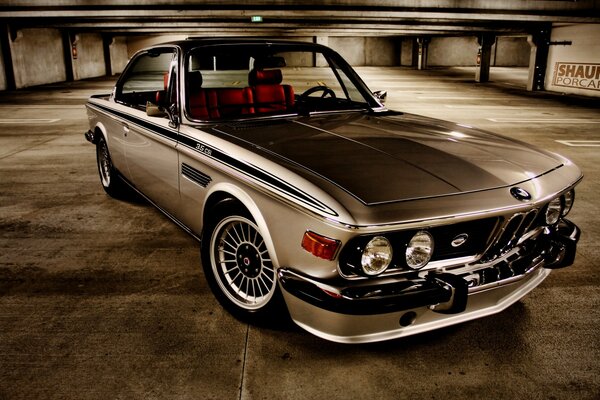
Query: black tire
[[237, 266], [109, 177]]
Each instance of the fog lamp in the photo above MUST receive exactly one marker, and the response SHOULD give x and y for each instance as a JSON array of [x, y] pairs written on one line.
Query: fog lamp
[[419, 250], [554, 210], [376, 256]]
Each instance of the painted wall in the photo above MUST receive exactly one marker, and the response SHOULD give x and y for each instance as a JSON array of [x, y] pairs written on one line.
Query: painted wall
[[361, 51], [118, 54], [511, 51], [37, 57], [134, 43], [574, 68], [406, 52], [452, 51], [90, 56], [381, 51], [351, 48]]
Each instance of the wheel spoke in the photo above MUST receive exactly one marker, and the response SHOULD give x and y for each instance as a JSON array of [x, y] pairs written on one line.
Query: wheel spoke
[[228, 252], [234, 229], [236, 275], [233, 239], [243, 237], [262, 283], [241, 263]]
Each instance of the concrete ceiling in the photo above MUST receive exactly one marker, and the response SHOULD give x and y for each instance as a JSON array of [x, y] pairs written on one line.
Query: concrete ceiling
[[298, 18]]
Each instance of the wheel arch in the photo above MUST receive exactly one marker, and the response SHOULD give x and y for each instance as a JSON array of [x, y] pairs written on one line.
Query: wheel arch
[[224, 191], [100, 131]]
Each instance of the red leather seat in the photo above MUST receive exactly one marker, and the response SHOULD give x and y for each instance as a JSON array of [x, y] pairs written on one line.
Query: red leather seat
[[229, 102], [215, 103], [161, 95], [198, 105], [269, 94]]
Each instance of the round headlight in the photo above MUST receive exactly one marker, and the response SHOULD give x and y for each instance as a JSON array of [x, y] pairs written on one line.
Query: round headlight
[[376, 256], [419, 250], [568, 200], [553, 211]]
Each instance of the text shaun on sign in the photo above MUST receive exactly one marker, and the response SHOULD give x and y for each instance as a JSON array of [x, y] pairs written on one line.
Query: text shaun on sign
[[577, 75]]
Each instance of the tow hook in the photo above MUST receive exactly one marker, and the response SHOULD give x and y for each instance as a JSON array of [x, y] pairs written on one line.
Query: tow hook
[[459, 291]]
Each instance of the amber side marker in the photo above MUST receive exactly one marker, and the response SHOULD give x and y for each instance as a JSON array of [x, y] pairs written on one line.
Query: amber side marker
[[319, 245]]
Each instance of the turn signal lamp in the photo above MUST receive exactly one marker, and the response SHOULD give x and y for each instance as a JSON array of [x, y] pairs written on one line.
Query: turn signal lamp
[[320, 246]]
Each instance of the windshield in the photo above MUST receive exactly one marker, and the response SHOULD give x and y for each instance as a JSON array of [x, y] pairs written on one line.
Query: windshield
[[246, 81]]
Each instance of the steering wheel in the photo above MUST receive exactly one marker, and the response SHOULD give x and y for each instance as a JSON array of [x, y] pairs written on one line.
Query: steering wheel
[[325, 89]]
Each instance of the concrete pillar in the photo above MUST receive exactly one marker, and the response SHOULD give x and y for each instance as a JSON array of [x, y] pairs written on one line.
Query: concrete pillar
[[409, 52], [538, 58], [324, 40], [423, 43], [118, 55], [482, 73], [7, 61], [68, 43], [107, 40]]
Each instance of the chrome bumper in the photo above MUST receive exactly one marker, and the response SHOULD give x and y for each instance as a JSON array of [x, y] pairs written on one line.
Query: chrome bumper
[[90, 137], [398, 306]]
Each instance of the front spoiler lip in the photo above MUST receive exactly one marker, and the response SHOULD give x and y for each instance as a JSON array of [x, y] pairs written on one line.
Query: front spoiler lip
[[443, 292]]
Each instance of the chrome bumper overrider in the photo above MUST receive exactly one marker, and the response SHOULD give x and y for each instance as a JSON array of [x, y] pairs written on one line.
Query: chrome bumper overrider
[[90, 137], [467, 292]]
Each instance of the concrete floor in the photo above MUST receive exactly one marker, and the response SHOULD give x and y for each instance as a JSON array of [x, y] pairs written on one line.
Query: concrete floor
[[104, 299]]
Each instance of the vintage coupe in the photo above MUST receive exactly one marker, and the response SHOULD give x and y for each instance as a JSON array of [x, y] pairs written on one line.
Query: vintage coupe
[[304, 190]]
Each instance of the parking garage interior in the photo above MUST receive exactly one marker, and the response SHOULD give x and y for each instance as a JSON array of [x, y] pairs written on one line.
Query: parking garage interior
[[107, 299]]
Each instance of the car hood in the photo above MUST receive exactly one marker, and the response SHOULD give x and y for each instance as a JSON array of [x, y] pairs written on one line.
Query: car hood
[[389, 158]]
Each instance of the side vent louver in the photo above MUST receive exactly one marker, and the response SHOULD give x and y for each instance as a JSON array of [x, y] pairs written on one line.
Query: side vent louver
[[194, 175]]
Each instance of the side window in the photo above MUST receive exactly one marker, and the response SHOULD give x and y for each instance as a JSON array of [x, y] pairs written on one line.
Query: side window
[[146, 79]]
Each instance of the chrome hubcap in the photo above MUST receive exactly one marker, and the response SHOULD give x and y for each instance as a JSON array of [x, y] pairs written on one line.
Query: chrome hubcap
[[241, 263]]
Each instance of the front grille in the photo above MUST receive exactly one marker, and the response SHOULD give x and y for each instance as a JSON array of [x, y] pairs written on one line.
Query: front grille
[[513, 230], [476, 234]]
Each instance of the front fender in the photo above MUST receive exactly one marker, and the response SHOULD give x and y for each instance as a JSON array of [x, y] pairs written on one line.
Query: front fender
[[248, 202]]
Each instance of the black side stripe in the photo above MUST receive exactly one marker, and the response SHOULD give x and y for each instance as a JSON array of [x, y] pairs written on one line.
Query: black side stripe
[[209, 151]]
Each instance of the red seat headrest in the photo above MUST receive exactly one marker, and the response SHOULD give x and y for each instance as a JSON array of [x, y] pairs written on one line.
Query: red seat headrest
[[265, 77]]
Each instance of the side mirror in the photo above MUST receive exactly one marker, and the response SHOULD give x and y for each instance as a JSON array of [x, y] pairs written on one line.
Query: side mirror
[[381, 95]]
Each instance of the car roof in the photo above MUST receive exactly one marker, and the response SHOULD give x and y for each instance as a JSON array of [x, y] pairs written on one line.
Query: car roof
[[193, 42]]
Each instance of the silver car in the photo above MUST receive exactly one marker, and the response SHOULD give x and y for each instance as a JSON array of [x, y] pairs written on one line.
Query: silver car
[[304, 191]]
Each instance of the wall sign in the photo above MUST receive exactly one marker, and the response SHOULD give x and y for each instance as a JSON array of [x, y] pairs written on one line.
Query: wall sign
[[577, 75]]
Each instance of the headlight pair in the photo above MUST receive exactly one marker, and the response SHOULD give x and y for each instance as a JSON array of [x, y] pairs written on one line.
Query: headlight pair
[[378, 253]]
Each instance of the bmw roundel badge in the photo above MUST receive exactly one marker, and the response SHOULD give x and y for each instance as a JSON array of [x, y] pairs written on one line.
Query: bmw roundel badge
[[520, 193], [459, 240]]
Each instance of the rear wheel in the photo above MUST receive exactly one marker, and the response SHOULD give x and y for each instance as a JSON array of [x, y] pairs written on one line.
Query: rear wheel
[[238, 267], [109, 177]]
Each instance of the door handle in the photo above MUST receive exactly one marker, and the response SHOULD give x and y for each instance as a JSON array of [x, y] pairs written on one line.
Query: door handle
[[125, 130]]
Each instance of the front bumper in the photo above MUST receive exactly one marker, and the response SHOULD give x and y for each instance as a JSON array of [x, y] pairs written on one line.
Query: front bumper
[[368, 310], [90, 136]]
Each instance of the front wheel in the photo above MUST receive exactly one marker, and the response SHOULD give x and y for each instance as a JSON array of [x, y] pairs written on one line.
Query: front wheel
[[239, 269]]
